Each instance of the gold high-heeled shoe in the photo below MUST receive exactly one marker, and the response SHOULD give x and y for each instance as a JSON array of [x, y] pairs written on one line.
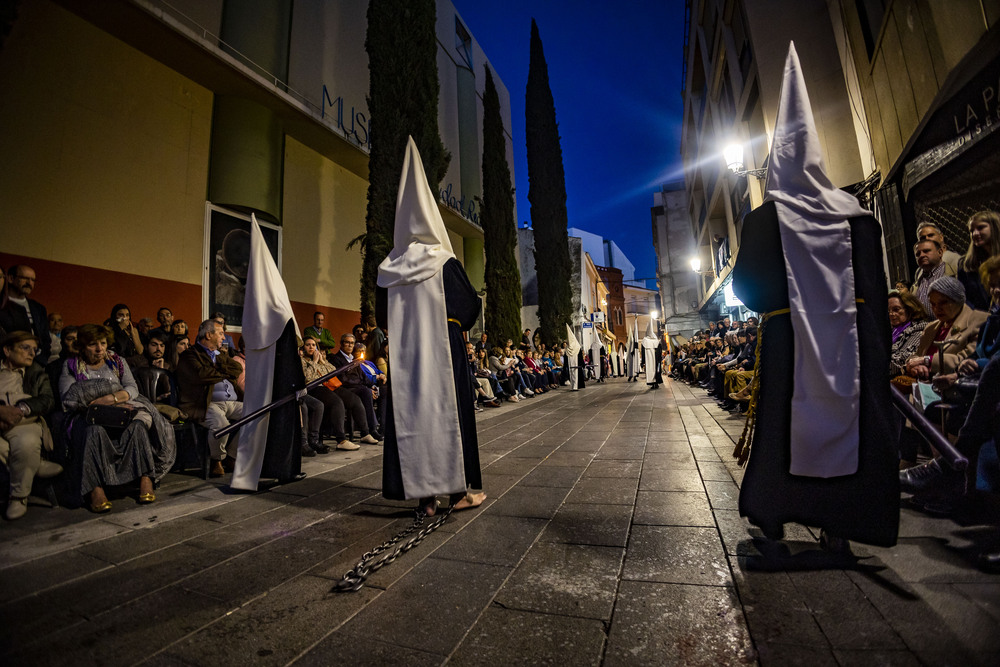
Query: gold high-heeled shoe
[[146, 498], [102, 508]]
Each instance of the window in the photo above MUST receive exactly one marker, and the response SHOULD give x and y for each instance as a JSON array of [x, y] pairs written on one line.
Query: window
[[463, 43], [870, 15], [618, 316]]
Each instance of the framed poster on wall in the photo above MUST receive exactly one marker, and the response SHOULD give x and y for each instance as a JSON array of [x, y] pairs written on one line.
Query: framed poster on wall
[[226, 259]]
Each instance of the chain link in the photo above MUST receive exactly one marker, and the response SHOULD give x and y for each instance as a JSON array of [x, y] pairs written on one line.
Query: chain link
[[355, 578]]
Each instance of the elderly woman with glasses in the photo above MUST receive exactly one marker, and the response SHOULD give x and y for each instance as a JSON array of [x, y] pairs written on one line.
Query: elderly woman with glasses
[[141, 448], [26, 397]]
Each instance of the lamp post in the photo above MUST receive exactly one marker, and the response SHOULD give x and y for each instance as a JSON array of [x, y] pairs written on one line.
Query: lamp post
[[733, 154]]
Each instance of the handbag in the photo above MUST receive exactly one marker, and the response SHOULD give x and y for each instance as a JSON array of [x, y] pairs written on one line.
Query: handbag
[[108, 416]]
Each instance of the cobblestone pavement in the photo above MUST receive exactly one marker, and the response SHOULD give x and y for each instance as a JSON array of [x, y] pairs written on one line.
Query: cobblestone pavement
[[610, 536]]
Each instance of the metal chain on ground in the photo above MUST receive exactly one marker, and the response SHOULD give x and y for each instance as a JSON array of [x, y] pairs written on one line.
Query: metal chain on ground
[[355, 578]]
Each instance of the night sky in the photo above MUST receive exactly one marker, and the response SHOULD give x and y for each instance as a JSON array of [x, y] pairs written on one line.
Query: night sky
[[614, 70]]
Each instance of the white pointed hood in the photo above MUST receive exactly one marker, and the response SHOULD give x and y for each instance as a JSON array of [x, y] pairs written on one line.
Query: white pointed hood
[[424, 399], [420, 241], [796, 175], [816, 242], [573, 346]]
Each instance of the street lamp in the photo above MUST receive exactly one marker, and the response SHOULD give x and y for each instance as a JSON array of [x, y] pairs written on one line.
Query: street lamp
[[696, 267], [733, 154]]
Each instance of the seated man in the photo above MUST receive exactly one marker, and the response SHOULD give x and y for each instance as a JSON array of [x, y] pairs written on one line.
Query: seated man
[[166, 319], [24, 314], [27, 399], [341, 358], [323, 337], [154, 356], [206, 383]]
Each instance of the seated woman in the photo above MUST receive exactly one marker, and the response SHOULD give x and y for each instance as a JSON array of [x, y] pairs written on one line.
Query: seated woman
[[126, 343], [143, 450], [951, 337], [908, 320], [535, 377], [484, 370], [337, 401], [28, 397], [511, 383], [984, 242], [982, 421], [179, 329]]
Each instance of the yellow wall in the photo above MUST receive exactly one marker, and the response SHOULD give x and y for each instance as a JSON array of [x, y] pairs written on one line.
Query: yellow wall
[[106, 151], [324, 208]]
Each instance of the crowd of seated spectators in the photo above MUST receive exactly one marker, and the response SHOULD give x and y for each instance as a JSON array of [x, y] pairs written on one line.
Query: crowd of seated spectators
[[720, 360], [944, 334]]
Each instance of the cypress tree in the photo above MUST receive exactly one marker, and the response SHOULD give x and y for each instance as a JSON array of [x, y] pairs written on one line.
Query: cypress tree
[[503, 280], [402, 101], [547, 197]]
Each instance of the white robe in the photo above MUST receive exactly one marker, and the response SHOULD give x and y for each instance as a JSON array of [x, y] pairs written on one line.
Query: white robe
[[572, 350], [425, 407], [266, 311], [816, 241]]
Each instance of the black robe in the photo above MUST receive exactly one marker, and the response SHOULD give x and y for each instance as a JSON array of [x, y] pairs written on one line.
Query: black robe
[[282, 454], [463, 305], [863, 506]]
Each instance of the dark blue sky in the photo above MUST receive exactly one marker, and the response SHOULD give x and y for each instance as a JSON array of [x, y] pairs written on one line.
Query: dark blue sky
[[614, 69]]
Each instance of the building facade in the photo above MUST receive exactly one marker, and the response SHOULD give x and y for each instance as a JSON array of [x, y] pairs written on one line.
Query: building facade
[[674, 243], [141, 134], [734, 56]]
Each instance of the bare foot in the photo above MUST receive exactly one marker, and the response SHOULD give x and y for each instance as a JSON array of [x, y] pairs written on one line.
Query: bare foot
[[428, 506], [468, 501]]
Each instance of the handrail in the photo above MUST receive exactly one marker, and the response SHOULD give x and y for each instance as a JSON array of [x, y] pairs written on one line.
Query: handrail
[[260, 412], [955, 459]]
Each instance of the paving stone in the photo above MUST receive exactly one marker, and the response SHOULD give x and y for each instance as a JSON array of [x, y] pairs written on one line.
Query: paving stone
[[779, 655], [535, 451], [29, 546], [566, 579], [673, 508], [127, 634], [550, 476], [568, 458], [497, 485], [493, 540], [714, 471], [259, 570], [605, 525], [672, 624], [706, 454], [436, 587], [671, 480], [985, 596], [723, 495], [861, 658], [621, 452], [372, 480], [259, 529], [509, 637], [574, 445], [337, 499], [776, 611], [828, 594], [339, 648], [609, 491], [512, 465], [532, 502], [668, 461], [676, 554], [614, 469], [668, 447], [273, 629], [33, 576]]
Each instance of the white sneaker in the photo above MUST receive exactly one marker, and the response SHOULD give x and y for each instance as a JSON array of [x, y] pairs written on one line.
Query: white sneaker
[[369, 440], [16, 508], [528, 392], [347, 445]]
